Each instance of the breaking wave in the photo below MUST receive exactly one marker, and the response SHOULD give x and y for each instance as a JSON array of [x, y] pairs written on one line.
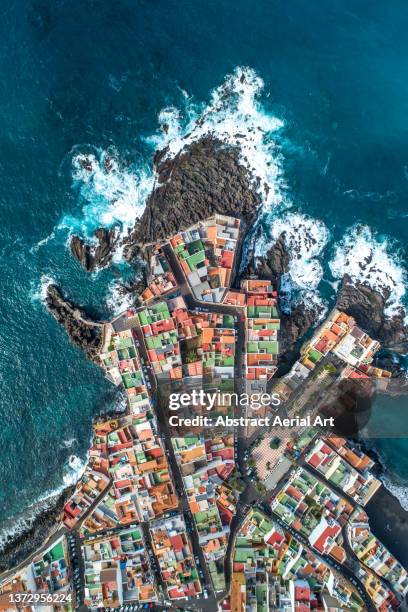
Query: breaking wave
[[118, 301], [68, 443], [236, 116], [367, 260], [74, 469], [110, 195], [42, 242], [397, 490], [39, 293], [18, 525], [305, 240]]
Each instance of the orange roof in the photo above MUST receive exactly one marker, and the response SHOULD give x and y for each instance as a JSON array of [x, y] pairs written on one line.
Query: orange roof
[[195, 369], [212, 233], [227, 259], [338, 553], [194, 507]]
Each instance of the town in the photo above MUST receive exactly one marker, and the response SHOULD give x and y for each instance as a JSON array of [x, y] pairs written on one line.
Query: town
[[222, 514]]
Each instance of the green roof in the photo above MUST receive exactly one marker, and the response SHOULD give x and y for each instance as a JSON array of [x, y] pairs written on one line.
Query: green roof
[[195, 246], [122, 343], [143, 317], [57, 552], [314, 355], [195, 259], [242, 554]]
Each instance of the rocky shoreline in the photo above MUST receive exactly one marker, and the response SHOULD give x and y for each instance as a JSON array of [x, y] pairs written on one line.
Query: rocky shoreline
[[81, 329], [389, 522], [24, 544], [204, 178], [367, 306]]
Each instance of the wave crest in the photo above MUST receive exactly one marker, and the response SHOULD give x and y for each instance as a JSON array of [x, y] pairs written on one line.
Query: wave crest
[[305, 240], [111, 195], [397, 490], [367, 260], [235, 116]]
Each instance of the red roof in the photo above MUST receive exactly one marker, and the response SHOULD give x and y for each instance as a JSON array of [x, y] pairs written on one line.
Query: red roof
[[190, 589], [276, 538], [174, 593], [225, 453], [155, 452], [302, 593], [314, 460], [326, 449], [329, 532], [177, 543], [227, 259]]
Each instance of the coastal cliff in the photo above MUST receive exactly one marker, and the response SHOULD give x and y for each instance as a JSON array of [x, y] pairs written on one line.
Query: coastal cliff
[[82, 331]]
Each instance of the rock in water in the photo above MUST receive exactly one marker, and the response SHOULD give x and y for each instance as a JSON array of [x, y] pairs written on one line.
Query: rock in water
[[278, 258], [92, 256], [367, 306], [271, 266], [83, 331]]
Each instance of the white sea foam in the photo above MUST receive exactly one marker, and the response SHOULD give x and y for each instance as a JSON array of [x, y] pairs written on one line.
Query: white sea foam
[[118, 301], [367, 260], [235, 116], [68, 443], [73, 470], [397, 490], [39, 293], [16, 526], [314, 302], [305, 239], [42, 242], [111, 195]]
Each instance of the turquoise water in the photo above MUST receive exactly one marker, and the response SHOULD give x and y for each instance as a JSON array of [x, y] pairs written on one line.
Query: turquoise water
[[79, 77]]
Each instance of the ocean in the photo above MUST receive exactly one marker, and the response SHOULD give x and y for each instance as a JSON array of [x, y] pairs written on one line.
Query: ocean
[[316, 95]]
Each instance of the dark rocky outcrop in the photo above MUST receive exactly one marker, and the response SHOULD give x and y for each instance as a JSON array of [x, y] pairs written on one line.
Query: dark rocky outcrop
[[92, 256], [367, 306], [203, 179], [273, 265], [301, 319], [278, 258], [295, 325], [83, 332], [20, 547]]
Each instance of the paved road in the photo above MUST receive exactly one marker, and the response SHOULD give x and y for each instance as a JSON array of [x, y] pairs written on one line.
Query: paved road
[[249, 494], [344, 570]]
